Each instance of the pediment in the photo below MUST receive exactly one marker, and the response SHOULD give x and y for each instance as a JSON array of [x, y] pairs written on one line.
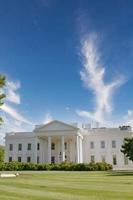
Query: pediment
[[55, 126]]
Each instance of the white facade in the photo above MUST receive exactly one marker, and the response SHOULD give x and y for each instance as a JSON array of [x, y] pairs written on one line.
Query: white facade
[[58, 142]]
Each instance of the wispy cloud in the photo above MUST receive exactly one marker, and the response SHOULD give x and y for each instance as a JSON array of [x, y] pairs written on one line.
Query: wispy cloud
[[13, 119], [130, 122], [14, 114], [67, 108], [128, 118], [48, 118], [11, 92], [12, 125], [130, 113], [93, 76]]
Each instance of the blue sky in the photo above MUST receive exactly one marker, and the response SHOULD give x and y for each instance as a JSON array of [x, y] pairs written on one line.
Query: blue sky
[[44, 47]]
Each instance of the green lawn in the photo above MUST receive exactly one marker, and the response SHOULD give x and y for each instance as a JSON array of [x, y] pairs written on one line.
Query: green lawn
[[68, 185]]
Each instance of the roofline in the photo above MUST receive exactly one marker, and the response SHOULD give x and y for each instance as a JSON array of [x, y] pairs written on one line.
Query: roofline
[[44, 125]]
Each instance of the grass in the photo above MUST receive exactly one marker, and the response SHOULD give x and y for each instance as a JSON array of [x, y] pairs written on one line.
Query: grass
[[68, 186]]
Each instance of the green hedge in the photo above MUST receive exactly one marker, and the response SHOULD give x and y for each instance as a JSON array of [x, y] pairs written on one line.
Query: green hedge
[[17, 166]]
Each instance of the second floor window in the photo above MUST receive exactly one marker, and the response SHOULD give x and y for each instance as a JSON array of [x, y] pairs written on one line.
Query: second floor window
[[20, 147], [113, 144], [102, 144], [11, 147], [38, 146], [29, 147], [92, 145]]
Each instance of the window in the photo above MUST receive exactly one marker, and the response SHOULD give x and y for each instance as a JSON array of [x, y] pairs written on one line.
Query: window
[[103, 158], [19, 159], [92, 145], [11, 147], [10, 159], [113, 144], [92, 158], [29, 146], [38, 146], [28, 159], [53, 146], [102, 144], [125, 160], [114, 160], [65, 144], [52, 159], [20, 147], [38, 159]]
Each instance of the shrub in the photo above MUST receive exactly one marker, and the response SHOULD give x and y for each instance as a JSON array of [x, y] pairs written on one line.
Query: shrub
[[42, 167], [15, 166]]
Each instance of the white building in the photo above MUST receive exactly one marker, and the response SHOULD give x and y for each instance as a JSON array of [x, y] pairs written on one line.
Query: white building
[[58, 142]]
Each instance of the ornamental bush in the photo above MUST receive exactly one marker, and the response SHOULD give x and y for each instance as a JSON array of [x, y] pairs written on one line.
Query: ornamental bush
[[18, 166]]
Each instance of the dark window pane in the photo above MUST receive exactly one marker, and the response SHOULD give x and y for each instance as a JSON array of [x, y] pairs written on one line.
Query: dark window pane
[[28, 159], [20, 147], [19, 159], [29, 146], [11, 147], [53, 146], [10, 159]]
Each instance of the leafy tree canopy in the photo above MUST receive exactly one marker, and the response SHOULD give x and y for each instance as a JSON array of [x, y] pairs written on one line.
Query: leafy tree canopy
[[127, 148], [2, 150]]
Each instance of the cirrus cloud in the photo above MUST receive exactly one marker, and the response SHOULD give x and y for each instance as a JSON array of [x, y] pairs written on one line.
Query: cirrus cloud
[[11, 92], [130, 112], [93, 77], [13, 119], [48, 118], [15, 114]]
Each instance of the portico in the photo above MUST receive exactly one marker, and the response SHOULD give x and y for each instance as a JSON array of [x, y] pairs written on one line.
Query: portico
[[59, 142]]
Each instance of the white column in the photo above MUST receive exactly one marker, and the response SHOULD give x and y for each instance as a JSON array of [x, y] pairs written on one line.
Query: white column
[[81, 150], [58, 150], [40, 154], [35, 150], [41, 151], [62, 149], [77, 149], [49, 149]]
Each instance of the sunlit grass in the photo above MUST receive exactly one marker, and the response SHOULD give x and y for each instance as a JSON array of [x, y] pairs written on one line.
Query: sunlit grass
[[67, 186]]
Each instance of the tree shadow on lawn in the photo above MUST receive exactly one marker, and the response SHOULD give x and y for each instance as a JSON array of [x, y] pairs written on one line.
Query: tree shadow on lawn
[[120, 173]]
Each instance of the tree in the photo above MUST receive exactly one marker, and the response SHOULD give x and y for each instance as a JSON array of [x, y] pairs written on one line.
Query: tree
[[2, 151], [2, 95], [127, 148]]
